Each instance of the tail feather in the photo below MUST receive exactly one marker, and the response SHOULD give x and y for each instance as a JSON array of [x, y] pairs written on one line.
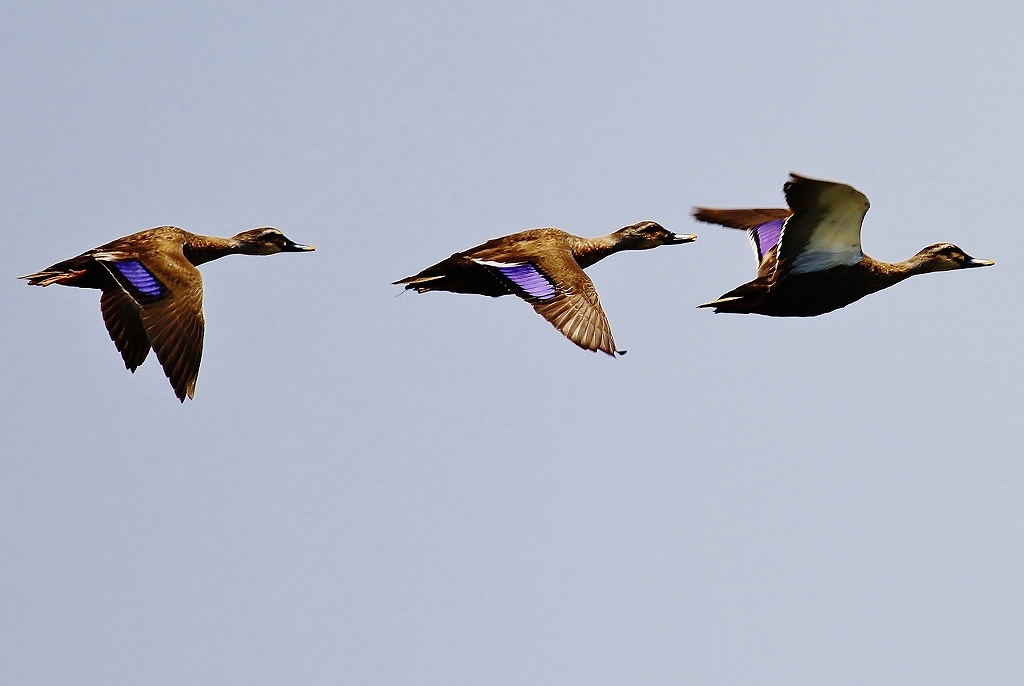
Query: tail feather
[[456, 274], [47, 277], [411, 281], [72, 272], [721, 301]]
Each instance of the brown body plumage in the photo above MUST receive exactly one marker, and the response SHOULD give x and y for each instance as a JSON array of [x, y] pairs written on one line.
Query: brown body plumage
[[550, 276], [817, 265], [152, 293]]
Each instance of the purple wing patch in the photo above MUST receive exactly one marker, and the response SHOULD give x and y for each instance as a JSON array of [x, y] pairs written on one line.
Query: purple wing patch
[[528, 278], [139, 277], [765, 236]]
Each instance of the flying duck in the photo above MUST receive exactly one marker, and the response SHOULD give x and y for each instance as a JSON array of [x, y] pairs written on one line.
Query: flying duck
[[152, 293], [809, 257], [545, 267]]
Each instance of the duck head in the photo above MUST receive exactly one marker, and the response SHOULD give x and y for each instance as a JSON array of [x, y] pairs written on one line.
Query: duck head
[[267, 241], [646, 235], [946, 256]]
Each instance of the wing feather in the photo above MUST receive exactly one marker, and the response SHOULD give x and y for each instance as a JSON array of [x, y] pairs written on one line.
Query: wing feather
[[124, 324], [562, 293], [763, 226], [824, 230], [171, 317]]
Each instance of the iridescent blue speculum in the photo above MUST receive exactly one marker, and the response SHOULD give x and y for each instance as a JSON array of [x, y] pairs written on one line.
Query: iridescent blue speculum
[[529, 279], [139, 277]]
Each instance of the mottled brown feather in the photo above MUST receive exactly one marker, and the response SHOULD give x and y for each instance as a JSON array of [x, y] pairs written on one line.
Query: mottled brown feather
[[575, 310], [175, 326], [171, 321]]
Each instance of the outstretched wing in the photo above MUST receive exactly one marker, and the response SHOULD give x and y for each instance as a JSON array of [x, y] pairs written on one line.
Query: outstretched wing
[[124, 324], [561, 292], [824, 230], [763, 226], [168, 292]]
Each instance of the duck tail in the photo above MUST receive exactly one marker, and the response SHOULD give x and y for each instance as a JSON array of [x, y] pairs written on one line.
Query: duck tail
[[49, 276], [722, 304], [416, 281], [72, 272]]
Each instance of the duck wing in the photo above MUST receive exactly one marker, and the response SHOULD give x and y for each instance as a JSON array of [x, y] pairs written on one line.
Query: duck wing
[[763, 226], [561, 292], [124, 324], [167, 291], [824, 231]]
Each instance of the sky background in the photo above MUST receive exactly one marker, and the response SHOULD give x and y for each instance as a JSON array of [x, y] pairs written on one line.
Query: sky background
[[440, 489]]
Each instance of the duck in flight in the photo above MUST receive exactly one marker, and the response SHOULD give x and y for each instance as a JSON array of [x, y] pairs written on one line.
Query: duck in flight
[[152, 293], [809, 257], [545, 267]]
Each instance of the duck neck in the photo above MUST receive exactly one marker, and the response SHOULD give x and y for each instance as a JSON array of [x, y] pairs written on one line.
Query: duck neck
[[891, 273], [588, 251], [201, 249]]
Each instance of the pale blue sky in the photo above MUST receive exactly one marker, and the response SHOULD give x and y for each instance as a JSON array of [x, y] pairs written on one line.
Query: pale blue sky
[[439, 489]]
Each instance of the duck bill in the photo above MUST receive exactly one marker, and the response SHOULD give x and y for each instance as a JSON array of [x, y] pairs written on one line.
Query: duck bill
[[298, 247], [975, 262], [683, 238]]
